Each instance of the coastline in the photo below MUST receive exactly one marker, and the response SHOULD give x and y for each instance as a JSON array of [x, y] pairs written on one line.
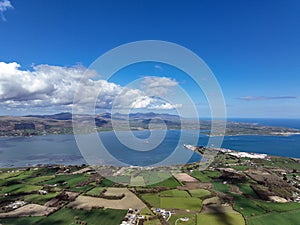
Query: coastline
[[192, 129]]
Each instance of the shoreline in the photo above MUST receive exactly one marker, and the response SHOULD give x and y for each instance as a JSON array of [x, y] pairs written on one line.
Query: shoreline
[[236, 153], [279, 134]]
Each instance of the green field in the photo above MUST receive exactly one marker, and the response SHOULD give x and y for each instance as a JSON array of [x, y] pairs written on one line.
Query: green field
[[44, 171], [120, 179], [23, 175], [35, 180], [247, 206], [93, 217], [137, 181], [219, 186], [177, 200], [278, 207], [251, 207], [71, 180], [19, 188], [212, 174], [6, 175], [281, 162], [152, 198], [95, 191], [180, 203], [191, 221], [199, 175], [205, 176], [152, 222], [146, 211], [40, 199], [21, 221], [67, 216], [163, 179], [241, 168], [170, 182], [287, 218], [81, 189], [200, 193], [107, 183], [174, 193], [247, 190], [220, 219]]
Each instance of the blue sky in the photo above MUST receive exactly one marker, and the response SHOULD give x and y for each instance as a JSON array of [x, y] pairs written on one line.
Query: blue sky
[[252, 47]]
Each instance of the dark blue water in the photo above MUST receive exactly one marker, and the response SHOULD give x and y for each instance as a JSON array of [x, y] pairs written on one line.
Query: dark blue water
[[290, 123], [62, 149], [272, 145]]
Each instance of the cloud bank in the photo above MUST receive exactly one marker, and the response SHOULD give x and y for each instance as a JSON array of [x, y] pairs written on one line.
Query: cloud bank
[[4, 6], [259, 98], [54, 87], [158, 86]]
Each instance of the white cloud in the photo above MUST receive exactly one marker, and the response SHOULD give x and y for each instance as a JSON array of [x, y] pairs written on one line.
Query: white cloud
[[141, 102], [258, 98], [4, 6], [157, 86], [54, 87], [166, 106], [158, 67]]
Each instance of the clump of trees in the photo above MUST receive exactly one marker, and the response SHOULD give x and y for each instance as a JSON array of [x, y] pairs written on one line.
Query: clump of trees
[[78, 221], [111, 197]]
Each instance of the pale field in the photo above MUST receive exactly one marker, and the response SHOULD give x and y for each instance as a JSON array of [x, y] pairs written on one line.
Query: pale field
[[129, 201], [196, 185], [137, 181], [115, 191], [184, 177], [213, 200], [29, 210]]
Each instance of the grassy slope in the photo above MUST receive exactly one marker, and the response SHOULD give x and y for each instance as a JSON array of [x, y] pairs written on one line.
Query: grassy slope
[[287, 218], [199, 193], [95, 191], [180, 203], [220, 219], [174, 193], [66, 216], [19, 188], [40, 199], [152, 198]]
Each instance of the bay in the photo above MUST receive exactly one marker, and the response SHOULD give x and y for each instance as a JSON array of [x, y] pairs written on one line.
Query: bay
[[62, 149]]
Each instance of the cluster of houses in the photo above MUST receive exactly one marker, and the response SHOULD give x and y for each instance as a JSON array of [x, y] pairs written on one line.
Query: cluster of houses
[[295, 181], [297, 198], [164, 213], [18, 204], [132, 217], [15, 205], [249, 155]]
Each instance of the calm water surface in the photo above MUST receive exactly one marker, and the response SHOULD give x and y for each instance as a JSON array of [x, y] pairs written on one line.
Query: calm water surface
[[62, 149]]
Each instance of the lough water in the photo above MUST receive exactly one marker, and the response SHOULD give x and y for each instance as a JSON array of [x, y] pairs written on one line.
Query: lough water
[[62, 149]]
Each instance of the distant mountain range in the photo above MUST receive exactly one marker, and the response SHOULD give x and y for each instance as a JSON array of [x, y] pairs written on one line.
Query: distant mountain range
[[59, 116], [150, 115], [61, 123]]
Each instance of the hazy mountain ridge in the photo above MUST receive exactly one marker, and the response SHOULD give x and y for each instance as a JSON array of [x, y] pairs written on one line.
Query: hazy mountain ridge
[[61, 123]]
